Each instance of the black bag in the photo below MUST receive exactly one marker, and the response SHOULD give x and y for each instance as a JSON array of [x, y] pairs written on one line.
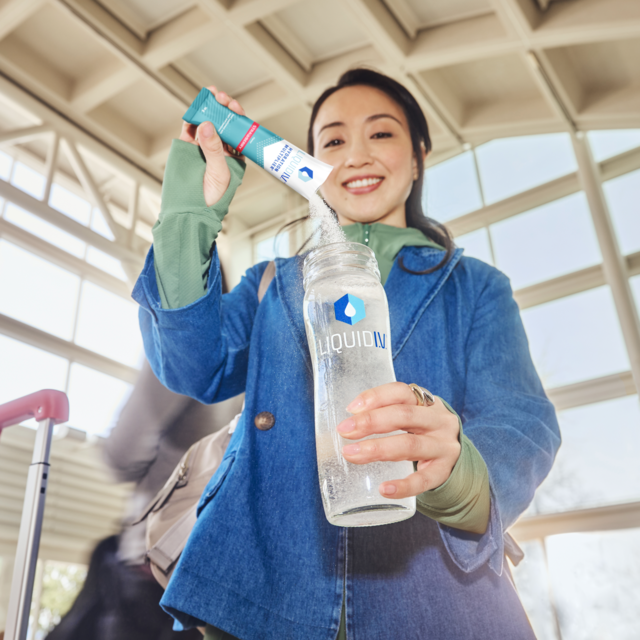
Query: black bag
[[118, 602]]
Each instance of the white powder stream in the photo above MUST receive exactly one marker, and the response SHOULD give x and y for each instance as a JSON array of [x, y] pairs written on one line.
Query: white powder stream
[[330, 229]]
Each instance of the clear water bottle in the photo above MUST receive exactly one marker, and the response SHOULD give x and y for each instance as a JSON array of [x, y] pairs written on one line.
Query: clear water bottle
[[347, 323]]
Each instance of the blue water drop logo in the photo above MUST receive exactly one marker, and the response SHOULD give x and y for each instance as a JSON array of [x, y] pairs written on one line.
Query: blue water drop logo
[[349, 309], [305, 174]]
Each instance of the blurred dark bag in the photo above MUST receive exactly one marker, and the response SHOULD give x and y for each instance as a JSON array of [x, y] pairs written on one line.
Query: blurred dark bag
[[117, 602]]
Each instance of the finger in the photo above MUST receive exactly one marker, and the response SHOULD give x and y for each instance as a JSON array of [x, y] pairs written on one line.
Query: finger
[[407, 446], [188, 133], [234, 105], [387, 419], [415, 484], [386, 394]]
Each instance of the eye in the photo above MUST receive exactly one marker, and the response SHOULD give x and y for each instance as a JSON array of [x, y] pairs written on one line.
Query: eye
[[333, 143], [382, 134]]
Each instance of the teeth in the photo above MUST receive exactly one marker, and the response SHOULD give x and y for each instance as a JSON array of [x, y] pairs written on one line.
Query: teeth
[[367, 182]]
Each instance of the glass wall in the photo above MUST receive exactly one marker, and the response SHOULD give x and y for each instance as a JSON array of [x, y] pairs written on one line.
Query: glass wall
[[39, 292], [585, 584]]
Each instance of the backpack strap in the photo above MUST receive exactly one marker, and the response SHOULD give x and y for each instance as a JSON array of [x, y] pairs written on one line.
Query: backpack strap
[[266, 279]]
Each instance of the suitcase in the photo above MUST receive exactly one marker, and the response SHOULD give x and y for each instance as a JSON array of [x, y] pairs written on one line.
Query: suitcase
[[49, 408]]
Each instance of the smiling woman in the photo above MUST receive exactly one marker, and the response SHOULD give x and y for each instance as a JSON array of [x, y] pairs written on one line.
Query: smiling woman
[[281, 569]]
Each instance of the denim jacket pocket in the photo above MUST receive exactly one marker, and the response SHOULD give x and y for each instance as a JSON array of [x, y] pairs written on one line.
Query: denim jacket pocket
[[216, 481]]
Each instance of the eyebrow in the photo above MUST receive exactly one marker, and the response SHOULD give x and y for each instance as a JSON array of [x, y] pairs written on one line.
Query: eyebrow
[[372, 118]]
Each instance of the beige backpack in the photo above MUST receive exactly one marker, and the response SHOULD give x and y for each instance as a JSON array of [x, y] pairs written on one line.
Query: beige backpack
[[171, 514]]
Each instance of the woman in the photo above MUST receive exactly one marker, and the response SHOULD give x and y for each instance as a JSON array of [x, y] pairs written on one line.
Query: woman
[[262, 560]]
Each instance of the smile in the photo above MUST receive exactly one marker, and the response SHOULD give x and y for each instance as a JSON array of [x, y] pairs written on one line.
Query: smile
[[366, 182]]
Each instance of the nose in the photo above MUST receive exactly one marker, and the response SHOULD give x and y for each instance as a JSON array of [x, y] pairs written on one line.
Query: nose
[[358, 154]]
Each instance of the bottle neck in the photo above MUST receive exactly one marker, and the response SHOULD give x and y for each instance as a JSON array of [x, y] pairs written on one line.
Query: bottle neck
[[334, 259]]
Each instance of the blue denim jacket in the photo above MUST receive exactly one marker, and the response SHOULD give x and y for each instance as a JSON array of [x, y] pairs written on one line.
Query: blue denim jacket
[[262, 560]]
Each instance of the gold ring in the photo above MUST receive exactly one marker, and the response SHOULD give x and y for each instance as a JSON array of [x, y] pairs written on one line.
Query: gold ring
[[425, 398]]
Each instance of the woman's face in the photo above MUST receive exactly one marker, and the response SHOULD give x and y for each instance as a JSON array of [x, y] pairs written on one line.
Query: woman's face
[[364, 134]]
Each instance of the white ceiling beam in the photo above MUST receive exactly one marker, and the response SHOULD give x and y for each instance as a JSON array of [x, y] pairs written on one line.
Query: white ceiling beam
[[18, 136], [264, 101], [460, 42], [610, 518], [288, 40], [95, 14], [567, 23], [390, 40], [244, 12], [99, 151], [519, 17], [405, 15], [287, 70], [179, 37], [385, 33], [14, 12], [279, 63], [103, 83], [65, 349]]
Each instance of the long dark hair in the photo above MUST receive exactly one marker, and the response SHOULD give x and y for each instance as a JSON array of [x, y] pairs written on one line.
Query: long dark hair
[[420, 140]]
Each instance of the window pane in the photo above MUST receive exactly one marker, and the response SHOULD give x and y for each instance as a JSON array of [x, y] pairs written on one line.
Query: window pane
[[37, 292], [70, 204], [623, 195], [451, 188], [25, 369], [99, 225], [546, 242], [512, 165], [576, 338], [94, 398], [606, 144], [595, 578], [598, 461], [106, 262], [108, 324], [5, 165], [532, 581], [44, 230], [476, 244], [274, 247], [28, 180]]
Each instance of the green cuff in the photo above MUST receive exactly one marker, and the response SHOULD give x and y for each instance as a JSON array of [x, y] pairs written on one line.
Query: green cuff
[[463, 501], [187, 228]]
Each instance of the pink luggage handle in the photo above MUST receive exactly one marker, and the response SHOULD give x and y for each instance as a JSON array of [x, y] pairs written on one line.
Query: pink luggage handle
[[48, 407], [39, 405]]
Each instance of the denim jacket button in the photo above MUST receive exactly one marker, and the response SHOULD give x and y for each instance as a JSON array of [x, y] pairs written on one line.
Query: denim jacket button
[[264, 421]]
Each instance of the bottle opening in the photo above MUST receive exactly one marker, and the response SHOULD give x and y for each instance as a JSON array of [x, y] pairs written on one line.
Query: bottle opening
[[339, 256]]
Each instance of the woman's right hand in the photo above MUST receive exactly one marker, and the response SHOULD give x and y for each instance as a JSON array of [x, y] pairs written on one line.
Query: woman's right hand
[[216, 175]]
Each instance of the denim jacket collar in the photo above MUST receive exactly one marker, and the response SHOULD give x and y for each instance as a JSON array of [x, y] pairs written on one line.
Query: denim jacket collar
[[405, 311]]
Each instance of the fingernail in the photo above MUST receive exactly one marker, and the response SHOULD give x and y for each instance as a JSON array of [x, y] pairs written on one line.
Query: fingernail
[[351, 449], [356, 405], [206, 130], [388, 489], [347, 426]]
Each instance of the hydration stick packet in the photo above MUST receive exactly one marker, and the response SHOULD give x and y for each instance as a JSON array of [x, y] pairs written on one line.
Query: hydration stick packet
[[297, 169]]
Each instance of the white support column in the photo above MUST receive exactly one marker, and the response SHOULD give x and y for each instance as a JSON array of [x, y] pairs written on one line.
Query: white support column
[[52, 161], [614, 264], [134, 209], [17, 136]]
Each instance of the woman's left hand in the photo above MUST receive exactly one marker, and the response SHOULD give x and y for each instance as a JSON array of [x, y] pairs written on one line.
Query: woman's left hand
[[431, 437]]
